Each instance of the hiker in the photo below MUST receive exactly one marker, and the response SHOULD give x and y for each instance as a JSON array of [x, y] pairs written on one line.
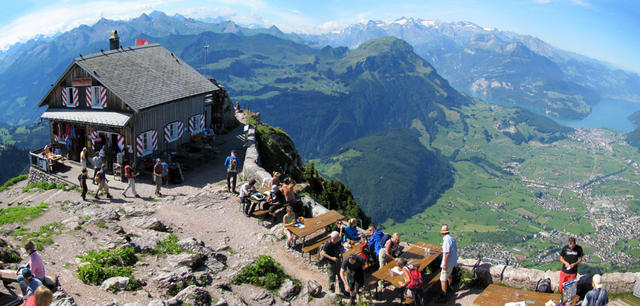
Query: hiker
[[157, 176], [131, 175], [352, 276], [83, 157], [332, 253], [349, 230], [275, 180], [41, 297], [570, 256], [165, 173], [231, 164], [82, 178], [287, 189], [102, 155], [245, 196], [102, 180], [412, 281], [28, 283], [96, 167], [449, 260], [373, 245], [388, 249], [597, 296], [275, 200], [289, 219], [35, 264]]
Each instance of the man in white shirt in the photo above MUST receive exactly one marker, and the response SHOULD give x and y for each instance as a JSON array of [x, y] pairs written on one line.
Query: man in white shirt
[[449, 259]]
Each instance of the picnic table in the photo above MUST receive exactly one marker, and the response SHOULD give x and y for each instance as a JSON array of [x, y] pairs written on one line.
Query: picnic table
[[312, 225], [416, 255], [500, 295]]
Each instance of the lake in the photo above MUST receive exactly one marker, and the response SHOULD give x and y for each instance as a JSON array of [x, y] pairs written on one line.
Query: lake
[[608, 114]]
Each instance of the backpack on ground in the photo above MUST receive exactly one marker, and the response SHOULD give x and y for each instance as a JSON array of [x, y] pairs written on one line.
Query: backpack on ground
[[233, 165], [415, 278], [127, 171], [544, 285]]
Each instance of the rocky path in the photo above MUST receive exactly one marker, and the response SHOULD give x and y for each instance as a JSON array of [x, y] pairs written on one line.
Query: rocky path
[[200, 209]]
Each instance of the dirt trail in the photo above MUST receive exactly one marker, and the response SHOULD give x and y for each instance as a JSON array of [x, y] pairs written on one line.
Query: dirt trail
[[214, 218]]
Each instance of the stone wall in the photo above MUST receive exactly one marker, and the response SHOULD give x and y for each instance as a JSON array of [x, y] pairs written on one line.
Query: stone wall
[[528, 278], [251, 169], [36, 175]]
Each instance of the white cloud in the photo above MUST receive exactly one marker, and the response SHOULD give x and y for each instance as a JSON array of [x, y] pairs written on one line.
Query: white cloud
[[64, 16]]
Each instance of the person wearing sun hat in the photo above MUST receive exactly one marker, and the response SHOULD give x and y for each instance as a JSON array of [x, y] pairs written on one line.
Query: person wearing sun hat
[[596, 296], [449, 259]]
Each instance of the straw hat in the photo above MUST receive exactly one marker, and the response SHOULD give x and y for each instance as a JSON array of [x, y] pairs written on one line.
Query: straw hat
[[444, 229]]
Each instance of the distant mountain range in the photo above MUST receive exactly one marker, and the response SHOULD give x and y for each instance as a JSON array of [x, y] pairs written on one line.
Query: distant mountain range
[[496, 65], [500, 65]]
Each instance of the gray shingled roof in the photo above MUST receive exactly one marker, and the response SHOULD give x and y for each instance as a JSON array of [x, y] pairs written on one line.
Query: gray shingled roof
[[145, 76], [104, 118]]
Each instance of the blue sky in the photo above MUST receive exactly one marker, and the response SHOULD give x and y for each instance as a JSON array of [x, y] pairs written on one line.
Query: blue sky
[[608, 30]]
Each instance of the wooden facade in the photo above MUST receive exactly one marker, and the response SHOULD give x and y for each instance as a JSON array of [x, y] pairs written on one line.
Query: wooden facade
[[149, 117]]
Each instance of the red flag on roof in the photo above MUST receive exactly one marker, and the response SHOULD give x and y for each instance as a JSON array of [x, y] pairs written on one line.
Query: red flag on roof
[[140, 42]]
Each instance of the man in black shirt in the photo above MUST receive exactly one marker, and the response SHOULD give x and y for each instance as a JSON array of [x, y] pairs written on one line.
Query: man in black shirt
[[332, 252], [352, 275], [570, 256]]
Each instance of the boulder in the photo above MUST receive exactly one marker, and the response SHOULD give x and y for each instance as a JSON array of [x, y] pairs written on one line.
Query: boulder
[[150, 223], [116, 283], [61, 298], [185, 259], [192, 295], [288, 290], [170, 281], [144, 244], [222, 302], [194, 245]]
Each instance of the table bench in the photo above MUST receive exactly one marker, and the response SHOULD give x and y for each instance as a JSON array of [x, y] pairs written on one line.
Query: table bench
[[312, 225], [315, 246]]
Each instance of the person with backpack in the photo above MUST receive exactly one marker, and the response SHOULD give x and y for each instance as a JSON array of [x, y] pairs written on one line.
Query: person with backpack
[[352, 276], [597, 296], [331, 253], [131, 177], [231, 164], [412, 281], [82, 179], [102, 180], [389, 249], [372, 248]]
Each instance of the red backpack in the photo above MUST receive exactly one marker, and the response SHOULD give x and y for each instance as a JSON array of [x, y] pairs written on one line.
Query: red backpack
[[415, 278], [127, 171]]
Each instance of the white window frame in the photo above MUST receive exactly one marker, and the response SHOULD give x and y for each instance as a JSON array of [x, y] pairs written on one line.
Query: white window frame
[[173, 131], [196, 119], [147, 143], [95, 102], [69, 97]]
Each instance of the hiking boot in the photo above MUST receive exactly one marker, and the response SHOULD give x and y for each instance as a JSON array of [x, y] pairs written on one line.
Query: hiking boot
[[109, 196], [136, 195], [97, 197], [332, 288]]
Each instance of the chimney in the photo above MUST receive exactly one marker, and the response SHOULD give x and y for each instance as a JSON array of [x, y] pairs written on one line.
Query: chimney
[[114, 40]]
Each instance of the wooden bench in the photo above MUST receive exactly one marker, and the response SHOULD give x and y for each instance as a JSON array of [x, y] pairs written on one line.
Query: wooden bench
[[10, 276], [315, 246]]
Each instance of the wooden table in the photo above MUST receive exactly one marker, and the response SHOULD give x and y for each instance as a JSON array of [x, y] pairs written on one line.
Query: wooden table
[[312, 225], [416, 255], [499, 295]]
